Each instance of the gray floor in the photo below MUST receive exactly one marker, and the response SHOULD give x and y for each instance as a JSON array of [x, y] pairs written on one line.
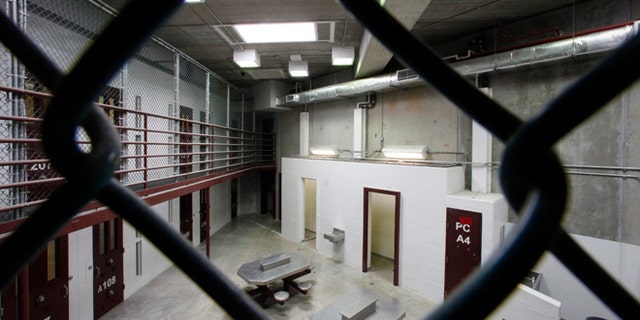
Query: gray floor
[[249, 237]]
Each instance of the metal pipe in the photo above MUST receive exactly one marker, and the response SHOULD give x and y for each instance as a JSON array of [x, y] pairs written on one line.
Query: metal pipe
[[589, 43]]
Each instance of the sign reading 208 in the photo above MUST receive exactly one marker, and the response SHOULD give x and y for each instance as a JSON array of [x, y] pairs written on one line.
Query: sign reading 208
[[464, 225]]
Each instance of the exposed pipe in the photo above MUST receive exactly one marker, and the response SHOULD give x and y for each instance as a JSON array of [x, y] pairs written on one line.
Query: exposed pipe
[[599, 41], [370, 103]]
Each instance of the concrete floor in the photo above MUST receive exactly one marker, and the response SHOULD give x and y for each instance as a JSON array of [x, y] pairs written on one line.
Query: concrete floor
[[250, 237]]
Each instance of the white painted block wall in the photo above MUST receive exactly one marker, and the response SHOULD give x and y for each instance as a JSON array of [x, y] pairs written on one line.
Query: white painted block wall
[[426, 192]]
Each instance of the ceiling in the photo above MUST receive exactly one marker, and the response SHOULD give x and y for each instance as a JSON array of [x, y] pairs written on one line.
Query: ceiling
[[192, 30]]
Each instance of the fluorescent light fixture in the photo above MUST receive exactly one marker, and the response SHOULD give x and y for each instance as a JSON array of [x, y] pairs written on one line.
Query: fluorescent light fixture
[[326, 151], [277, 32], [342, 56], [248, 58], [193, 1], [406, 152], [299, 68]]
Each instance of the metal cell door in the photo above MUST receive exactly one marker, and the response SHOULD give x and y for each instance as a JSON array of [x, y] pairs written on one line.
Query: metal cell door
[[9, 301], [186, 216], [49, 281], [108, 284], [463, 246]]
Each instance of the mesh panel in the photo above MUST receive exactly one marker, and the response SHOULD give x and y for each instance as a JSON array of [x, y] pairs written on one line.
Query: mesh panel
[[160, 103]]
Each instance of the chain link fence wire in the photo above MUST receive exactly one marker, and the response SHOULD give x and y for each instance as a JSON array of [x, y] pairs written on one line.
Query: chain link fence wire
[[180, 140], [102, 129], [144, 112]]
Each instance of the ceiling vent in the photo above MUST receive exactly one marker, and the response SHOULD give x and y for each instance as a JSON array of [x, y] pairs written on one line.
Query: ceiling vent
[[405, 74], [291, 98]]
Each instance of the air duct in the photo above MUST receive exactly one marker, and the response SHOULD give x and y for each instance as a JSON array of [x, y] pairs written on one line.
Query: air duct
[[583, 45]]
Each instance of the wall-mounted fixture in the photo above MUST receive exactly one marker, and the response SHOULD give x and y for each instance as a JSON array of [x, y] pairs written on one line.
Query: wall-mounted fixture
[[417, 152], [325, 151], [335, 236], [299, 68], [248, 58], [342, 56]]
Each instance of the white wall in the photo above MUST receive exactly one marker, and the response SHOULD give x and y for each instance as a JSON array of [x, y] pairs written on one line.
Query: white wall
[[424, 199], [524, 303], [220, 206], [153, 261], [248, 193], [621, 260]]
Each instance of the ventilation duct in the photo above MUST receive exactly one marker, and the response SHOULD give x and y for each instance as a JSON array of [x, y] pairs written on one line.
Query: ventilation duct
[[583, 45]]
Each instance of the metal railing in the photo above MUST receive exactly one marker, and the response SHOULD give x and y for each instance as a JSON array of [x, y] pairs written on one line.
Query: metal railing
[[531, 174], [147, 157]]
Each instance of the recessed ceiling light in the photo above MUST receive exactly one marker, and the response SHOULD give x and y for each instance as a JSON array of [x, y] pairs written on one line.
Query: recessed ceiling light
[[277, 32]]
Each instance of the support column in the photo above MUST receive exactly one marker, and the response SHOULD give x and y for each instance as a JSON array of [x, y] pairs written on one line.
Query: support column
[[359, 133], [481, 156], [304, 134]]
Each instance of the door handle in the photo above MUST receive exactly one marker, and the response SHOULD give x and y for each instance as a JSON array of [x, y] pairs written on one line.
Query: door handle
[[65, 291], [98, 272]]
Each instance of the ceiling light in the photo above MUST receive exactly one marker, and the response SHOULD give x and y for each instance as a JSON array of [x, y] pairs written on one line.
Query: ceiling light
[[277, 32], [193, 1], [405, 152], [299, 68], [326, 151], [342, 56], [246, 58]]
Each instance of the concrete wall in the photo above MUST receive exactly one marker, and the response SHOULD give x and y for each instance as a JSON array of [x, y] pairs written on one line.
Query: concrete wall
[[426, 192], [599, 206], [601, 155]]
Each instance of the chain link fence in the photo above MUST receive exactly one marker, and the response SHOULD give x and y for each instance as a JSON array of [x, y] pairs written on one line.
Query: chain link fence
[[161, 103], [164, 140]]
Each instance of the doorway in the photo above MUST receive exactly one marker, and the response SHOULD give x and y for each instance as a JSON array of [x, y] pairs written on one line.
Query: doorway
[[381, 233], [310, 189], [186, 217], [49, 281], [234, 198], [108, 282], [205, 219], [463, 246], [9, 300], [268, 192]]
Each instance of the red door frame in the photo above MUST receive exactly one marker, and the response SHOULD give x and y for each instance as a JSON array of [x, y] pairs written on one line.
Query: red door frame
[[396, 232]]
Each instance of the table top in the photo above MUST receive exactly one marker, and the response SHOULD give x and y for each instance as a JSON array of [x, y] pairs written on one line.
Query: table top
[[279, 265], [386, 307]]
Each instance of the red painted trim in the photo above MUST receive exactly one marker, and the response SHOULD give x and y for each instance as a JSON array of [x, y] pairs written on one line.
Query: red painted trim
[[396, 235], [365, 230], [95, 212]]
